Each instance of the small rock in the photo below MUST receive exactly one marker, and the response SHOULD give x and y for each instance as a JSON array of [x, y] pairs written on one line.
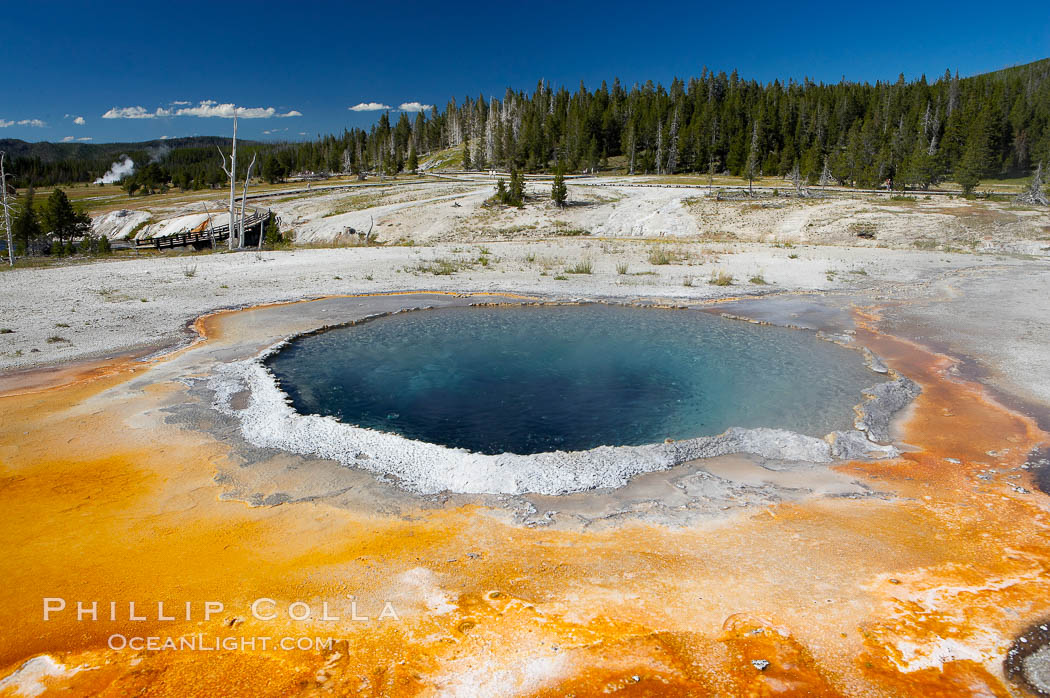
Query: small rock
[[759, 664], [874, 362]]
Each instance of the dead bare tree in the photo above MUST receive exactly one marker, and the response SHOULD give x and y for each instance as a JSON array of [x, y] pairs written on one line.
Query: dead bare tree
[[672, 151], [211, 225], [262, 227], [752, 165], [244, 199], [659, 147], [825, 175], [633, 144], [7, 211], [1034, 195], [799, 182], [231, 172]]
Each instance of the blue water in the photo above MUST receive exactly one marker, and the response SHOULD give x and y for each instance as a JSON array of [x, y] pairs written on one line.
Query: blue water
[[543, 378]]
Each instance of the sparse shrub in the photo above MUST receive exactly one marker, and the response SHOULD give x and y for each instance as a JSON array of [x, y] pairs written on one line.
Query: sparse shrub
[[584, 266], [442, 266], [56, 339], [721, 278], [272, 234], [6, 330], [687, 281], [863, 230], [663, 255], [190, 272], [512, 195], [621, 268], [759, 280], [793, 255]]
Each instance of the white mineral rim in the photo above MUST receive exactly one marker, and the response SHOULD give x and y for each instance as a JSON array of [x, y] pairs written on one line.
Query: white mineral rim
[[269, 421]]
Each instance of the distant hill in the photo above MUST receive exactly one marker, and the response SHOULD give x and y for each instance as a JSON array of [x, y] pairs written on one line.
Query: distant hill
[[1038, 70], [55, 152], [910, 135]]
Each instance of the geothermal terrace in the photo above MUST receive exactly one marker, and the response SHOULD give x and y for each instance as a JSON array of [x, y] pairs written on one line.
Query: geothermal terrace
[[150, 448]]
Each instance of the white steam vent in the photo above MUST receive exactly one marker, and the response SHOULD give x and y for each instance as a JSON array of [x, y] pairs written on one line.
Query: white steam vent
[[118, 171]]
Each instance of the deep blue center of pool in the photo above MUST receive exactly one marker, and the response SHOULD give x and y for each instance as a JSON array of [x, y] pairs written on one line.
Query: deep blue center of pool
[[543, 378]]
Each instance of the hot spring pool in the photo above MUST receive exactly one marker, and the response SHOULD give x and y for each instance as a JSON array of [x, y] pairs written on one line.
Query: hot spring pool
[[533, 379]]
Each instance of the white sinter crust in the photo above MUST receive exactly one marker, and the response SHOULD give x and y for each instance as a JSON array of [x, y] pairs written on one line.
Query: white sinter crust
[[268, 420]]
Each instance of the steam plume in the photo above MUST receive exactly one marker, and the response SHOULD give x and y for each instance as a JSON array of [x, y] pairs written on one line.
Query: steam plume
[[117, 171]]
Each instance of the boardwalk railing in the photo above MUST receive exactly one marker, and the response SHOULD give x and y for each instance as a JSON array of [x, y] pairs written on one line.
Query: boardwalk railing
[[201, 237]]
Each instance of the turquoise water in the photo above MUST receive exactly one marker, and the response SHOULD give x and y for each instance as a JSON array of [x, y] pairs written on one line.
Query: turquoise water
[[542, 378]]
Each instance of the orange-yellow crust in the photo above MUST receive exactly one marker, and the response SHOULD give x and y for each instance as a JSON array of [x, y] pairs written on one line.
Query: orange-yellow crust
[[917, 593]]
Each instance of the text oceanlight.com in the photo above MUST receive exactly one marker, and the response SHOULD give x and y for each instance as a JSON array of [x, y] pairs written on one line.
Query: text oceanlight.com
[[201, 642]]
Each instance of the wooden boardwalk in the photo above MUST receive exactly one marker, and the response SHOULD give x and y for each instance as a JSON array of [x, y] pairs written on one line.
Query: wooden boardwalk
[[202, 238]]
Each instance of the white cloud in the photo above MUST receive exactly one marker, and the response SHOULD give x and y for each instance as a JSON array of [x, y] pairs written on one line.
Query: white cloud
[[4, 123], [210, 108], [134, 113], [79, 121], [270, 132], [85, 138], [415, 106], [68, 139], [205, 109], [369, 106], [82, 139], [180, 102]]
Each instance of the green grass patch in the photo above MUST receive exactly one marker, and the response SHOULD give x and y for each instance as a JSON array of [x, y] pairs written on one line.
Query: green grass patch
[[721, 278], [584, 266], [664, 255]]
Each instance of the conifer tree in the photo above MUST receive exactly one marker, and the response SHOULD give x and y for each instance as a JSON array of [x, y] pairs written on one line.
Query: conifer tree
[[971, 168], [62, 220], [751, 167], [559, 192], [26, 227]]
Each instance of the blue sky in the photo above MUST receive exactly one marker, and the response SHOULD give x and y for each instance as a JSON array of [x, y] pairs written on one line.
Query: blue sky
[[301, 65]]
